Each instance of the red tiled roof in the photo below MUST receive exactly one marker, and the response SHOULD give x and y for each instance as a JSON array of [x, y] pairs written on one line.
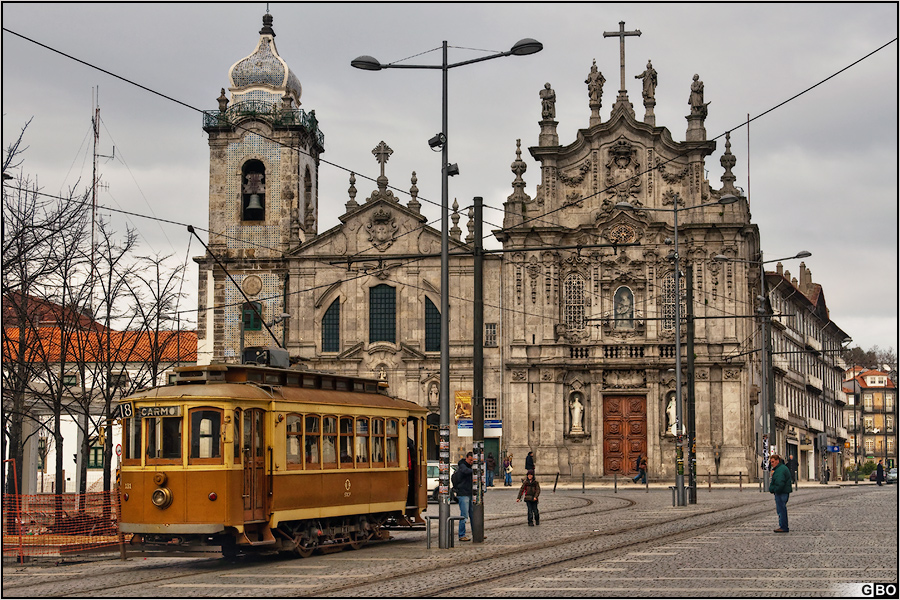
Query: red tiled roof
[[45, 345]]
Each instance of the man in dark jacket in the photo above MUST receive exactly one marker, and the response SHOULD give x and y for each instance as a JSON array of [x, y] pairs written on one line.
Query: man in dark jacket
[[464, 492], [781, 486], [529, 462], [489, 465]]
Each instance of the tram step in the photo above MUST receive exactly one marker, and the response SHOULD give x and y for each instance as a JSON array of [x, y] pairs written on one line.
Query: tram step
[[256, 536]]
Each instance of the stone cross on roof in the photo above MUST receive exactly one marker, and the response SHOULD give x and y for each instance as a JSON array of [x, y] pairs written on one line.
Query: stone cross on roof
[[621, 34], [382, 152]]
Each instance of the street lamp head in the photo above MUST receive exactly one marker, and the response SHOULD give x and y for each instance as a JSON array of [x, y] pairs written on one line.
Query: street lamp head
[[525, 47], [803, 254], [728, 199], [366, 63], [624, 205]]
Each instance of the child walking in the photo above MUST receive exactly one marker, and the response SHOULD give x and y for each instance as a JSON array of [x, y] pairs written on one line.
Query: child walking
[[531, 489]]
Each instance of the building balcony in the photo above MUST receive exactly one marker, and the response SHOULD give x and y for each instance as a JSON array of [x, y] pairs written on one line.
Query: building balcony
[[780, 363], [814, 382], [813, 344], [268, 111]]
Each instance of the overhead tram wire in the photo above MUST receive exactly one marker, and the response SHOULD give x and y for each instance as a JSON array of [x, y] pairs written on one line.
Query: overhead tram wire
[[535, 218]]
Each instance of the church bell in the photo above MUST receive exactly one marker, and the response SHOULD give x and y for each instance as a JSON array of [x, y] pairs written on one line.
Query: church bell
[[254, 203]]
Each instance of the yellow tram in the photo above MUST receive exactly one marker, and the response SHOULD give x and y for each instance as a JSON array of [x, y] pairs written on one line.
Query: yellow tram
[[247, 457]]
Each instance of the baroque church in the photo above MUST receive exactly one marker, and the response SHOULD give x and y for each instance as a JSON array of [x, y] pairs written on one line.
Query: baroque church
[[579, 311]]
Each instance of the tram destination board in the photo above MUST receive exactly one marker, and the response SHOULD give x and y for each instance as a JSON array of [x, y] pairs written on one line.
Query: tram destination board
[[159, 411]]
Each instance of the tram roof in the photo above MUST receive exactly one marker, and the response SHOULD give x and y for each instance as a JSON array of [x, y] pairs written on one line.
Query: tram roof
[[257, 383]]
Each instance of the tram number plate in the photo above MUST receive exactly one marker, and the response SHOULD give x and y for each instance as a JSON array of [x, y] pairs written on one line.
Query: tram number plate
[[160, 411]]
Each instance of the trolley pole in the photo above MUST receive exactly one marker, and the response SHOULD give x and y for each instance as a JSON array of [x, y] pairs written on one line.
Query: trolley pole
[[478, 381]]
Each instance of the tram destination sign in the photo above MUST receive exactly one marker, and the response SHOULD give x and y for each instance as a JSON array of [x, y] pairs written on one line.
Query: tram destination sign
[[159, 411]]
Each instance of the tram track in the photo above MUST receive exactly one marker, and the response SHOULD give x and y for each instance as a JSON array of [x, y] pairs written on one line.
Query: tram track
[[516, 560], [251, 561], [536, 556]]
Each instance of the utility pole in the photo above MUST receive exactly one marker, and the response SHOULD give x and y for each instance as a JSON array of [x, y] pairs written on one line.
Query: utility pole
[[478, 380], [691, 400]]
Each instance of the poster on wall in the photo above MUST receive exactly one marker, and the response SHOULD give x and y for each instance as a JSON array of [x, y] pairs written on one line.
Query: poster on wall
[[463, 405]]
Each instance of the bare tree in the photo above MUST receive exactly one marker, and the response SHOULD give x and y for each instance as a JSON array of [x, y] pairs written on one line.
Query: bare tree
[[37, 232]]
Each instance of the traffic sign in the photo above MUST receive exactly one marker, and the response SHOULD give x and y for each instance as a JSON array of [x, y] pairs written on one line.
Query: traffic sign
[[834, 448], [118, 449]]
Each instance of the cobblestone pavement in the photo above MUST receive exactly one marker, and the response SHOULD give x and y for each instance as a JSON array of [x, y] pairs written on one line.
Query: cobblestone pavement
[[594, 543]]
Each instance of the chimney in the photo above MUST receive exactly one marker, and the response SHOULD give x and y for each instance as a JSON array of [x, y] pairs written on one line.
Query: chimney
[[779, 268]]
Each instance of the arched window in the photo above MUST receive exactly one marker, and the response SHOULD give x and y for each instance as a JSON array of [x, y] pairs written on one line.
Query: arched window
[[382, 314], [573, 307], [331, 327], [432, 327], [253, 191], [623, 300]]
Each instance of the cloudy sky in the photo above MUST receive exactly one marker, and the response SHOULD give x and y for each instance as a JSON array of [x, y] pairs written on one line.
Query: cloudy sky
[[823, 167]]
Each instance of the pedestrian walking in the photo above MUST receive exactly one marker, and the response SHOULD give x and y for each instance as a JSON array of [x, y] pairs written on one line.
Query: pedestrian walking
[[781, 486], [531, 489], [879, 473], [827, 474], [529, 462], [490, 464], [507, 470], [641, 465], [463, 485]]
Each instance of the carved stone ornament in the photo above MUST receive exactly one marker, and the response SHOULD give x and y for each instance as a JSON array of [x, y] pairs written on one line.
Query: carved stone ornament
[[382, 228], [519, 375], [621, 234], [252, 285], [578, 177], [623, 178], [630, 379]]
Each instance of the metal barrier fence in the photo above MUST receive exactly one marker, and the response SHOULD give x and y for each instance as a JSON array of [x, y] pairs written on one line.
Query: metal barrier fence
[[57, 525]]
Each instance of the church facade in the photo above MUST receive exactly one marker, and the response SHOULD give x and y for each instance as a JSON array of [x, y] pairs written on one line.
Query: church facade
[[579, 308]]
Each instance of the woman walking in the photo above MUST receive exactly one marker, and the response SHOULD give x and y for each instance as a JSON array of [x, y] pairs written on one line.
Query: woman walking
[[531, 489]]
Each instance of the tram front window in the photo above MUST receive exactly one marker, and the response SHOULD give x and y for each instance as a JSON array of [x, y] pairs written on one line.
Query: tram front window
[[163, 437]]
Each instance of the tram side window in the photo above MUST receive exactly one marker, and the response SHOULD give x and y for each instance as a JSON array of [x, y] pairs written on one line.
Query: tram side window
[[206, 434], [377, 442], [312, 441], [132, 450], [163, 438], [393, 443], [346, 442], [362, 442], [329, 442], [294, 441]]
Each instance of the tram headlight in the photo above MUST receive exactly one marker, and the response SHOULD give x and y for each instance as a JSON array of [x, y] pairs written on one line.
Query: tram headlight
[[161, 497]]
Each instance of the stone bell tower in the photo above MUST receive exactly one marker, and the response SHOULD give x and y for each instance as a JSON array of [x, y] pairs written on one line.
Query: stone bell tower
[[263, 201]]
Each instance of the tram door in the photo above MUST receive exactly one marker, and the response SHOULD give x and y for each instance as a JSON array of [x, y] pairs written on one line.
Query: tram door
[[254, 465]]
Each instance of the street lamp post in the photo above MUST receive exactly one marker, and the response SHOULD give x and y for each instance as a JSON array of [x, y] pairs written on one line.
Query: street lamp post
[[765, 408], [367, 63], [679, 402]]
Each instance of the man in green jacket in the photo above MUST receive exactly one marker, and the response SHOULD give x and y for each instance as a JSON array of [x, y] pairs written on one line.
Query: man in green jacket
[[781, 486]]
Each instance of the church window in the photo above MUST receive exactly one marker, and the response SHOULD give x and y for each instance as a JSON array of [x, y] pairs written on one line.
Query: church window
[[490, 335], [382, 314], [624, 307], [252, 316], [574, 301], [668, 312], [253, 191], [331, 327], [432, 327]]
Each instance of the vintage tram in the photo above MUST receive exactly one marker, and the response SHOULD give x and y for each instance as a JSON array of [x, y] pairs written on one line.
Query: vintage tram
[[255, 458]]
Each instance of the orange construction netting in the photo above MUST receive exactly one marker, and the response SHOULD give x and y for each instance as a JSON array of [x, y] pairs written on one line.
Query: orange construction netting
[[60, 525]]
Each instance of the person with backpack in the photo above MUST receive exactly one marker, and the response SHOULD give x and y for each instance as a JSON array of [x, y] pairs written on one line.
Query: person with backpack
[[462, 484], [641, 465], [531, 489]]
